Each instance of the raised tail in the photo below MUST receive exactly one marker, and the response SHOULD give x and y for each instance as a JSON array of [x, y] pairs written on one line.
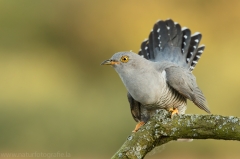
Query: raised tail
[[169, 42]]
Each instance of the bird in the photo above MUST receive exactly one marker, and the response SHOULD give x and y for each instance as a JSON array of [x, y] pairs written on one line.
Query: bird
[[160, 75]]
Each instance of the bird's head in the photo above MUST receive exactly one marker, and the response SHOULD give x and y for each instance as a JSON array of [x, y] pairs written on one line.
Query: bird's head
[[123, 60]]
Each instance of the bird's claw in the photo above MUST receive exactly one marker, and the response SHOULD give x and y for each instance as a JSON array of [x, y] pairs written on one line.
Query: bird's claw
[[139, 124], [173, 111]]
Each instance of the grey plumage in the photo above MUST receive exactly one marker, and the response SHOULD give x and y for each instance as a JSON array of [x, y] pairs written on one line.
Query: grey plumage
[[163, 78]]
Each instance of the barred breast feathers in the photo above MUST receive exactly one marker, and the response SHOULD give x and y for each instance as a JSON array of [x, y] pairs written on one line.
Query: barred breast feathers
[[169, 98]]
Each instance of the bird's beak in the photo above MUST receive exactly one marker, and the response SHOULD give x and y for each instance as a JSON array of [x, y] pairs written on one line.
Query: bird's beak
[[109, 62]]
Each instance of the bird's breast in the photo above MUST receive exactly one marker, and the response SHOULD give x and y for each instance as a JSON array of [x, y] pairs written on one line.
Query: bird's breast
[[147, 88]]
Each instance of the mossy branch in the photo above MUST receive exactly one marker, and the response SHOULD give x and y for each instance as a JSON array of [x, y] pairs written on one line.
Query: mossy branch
[[162, 129]]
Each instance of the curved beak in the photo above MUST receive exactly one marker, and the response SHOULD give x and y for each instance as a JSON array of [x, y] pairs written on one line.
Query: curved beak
[[109, 62]]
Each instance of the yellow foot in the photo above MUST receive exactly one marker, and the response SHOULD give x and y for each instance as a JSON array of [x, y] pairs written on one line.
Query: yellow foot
[[139, 124], [174, 111]]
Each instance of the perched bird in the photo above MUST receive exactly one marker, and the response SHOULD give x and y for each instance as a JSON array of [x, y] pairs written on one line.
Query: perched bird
[[160, 75]]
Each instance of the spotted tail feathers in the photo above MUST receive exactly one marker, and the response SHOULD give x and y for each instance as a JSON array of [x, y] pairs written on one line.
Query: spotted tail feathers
[[169, 42]]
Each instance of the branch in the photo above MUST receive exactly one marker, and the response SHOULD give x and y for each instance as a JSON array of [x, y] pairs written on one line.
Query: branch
[[161, 129]]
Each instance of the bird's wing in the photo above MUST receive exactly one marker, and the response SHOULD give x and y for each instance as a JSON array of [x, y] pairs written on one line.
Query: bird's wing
[[138, 111], [135, 108], [184, 82]]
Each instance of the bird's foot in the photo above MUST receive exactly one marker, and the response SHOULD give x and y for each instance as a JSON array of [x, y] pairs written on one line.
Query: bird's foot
[[139, 124], [174, 111]]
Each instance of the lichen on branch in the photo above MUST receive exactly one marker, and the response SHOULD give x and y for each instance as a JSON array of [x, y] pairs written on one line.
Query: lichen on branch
[[161, 129]]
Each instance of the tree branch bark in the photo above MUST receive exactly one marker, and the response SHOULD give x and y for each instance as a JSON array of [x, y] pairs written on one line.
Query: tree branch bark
[[161, 129]]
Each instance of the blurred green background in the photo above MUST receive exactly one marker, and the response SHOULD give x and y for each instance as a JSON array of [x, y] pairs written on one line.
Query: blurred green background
[[55, 96]]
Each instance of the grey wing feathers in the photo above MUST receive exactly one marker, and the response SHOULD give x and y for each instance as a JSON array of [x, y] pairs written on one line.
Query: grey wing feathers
[[184, 82], [169, 42]]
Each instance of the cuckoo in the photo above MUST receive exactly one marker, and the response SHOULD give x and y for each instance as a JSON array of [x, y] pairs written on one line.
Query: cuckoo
[[160, 75]]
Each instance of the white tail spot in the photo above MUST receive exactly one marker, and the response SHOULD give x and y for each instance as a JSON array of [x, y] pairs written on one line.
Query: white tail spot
[[196, 40], [158, 30], [168, 27], [200, 51], [185, 36], [195, 62], [197, 33], [146, 48]]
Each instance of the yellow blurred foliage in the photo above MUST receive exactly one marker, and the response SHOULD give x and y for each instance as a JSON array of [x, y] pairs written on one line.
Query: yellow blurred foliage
[[55, 96]]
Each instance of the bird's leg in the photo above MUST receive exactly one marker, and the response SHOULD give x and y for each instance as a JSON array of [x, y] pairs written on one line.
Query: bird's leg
[[139, 124], [174, 111]]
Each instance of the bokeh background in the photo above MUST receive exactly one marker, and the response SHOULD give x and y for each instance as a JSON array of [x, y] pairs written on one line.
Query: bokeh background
[[55, 96]]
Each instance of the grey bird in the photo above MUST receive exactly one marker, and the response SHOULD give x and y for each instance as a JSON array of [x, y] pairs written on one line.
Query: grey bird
[[160, 75]]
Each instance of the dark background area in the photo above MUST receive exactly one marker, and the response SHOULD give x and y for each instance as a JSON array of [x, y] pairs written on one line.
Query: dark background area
[[55, 96]]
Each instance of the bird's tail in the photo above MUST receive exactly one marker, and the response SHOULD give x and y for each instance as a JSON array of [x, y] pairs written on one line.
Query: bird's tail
[[169, 42]]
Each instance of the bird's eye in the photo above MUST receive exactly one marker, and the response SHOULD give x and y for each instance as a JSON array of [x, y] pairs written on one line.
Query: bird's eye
[[124, 59]]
